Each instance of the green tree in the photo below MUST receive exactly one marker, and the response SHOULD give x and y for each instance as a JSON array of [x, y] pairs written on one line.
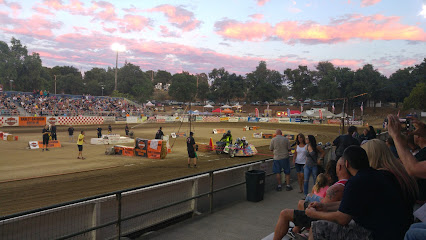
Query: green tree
[[226, 86], [300, 81], [399, 85], [96, 78], [368, 80], [264, 84], [132, 80], [417, 98], [326, 81], [163, 77], [183, 87]]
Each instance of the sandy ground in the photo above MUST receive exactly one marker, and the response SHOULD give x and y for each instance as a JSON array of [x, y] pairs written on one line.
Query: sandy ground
[[32, 179]]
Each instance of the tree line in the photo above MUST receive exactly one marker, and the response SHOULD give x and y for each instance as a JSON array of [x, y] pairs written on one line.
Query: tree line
[[325, 82]]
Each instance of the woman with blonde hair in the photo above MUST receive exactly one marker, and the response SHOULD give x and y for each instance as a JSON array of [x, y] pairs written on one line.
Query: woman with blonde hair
[[381, 158]]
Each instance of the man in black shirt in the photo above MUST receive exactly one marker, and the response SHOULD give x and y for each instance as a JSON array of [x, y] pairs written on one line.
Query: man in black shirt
[[370, 199], [126, 130], [190, 145], [344, 141], [53, 131], [71, 133], [46, 136], [159, 134], [109, 128], [99, 131]]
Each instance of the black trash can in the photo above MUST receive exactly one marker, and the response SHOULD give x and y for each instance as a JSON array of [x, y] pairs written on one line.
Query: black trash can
[[255, 185]]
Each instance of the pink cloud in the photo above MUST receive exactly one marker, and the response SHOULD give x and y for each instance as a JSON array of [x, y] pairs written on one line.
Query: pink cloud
[[42, 10], [375, 27], [409, 62], [256, 16], [248, 31], [50, 55], [178, 17], [353, 64], [36, 26], [261, 2], [133, 23], [165, 32], [366, 3]]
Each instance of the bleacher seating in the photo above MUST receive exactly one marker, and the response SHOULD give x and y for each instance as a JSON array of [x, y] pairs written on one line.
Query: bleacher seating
[[65, 105]]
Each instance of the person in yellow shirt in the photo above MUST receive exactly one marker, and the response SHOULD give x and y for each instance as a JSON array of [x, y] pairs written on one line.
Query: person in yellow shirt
[[80, 142]]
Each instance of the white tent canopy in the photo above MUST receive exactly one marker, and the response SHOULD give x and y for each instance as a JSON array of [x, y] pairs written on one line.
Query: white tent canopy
[[341, 115], [225, 106], [150, 104], [208, 106], [237, 106]]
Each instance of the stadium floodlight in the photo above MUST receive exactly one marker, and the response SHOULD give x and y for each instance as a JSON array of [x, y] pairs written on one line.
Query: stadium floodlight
[[117, 48]]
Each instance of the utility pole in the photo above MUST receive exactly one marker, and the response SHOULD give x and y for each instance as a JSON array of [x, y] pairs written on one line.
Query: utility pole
[[343, 117], [55, 84], [116, 69]]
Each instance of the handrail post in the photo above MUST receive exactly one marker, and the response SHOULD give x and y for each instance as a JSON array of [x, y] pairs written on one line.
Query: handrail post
[[118, 196], [211, 191]]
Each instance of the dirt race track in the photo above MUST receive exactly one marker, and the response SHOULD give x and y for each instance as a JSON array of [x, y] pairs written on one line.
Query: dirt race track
[[32, 179]]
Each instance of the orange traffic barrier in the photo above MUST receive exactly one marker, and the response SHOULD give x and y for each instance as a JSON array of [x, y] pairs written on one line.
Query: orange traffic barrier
[[52, 144], [128, 151]]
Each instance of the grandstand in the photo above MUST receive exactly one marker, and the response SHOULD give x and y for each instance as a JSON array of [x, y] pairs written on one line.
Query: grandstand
[[33, 104]]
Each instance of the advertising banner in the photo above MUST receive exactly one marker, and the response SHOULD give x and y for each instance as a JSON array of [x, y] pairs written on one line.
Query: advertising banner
[[1, 121], [33, 145], [31, 121], [132, 119], [355, 122], [109, 119], [284, 120], [51, 120], [199, 119], [253, 119], [233, 119], [243, 119], [224, 119], [120, 119], [11, 121], [334, 121], [273, 120], [263, 119], [144, 119], [52, 144], [170, 119]]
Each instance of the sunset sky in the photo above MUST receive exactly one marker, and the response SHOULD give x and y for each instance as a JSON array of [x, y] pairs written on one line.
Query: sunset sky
[[199, 35]]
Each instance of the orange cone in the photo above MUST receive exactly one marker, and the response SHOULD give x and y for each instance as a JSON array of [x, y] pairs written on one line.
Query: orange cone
[[211, 146]]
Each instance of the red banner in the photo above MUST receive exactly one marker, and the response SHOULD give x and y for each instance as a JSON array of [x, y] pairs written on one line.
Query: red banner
[[32, 121]]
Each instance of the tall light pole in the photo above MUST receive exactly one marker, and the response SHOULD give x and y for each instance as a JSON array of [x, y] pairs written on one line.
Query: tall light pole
[[11, 83], [102, 91], [55, 84], [117, 48]]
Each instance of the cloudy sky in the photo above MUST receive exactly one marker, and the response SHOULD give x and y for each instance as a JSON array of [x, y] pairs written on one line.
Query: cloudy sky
[[199, 35]]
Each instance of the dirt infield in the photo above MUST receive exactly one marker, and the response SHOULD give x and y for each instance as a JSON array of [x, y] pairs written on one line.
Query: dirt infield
[[32, 179]]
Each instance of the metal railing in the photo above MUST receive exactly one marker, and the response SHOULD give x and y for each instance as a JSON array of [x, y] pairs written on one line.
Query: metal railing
[[115, 214]]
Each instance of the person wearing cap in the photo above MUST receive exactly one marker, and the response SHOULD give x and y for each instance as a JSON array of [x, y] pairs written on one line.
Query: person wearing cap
[[190, 145]]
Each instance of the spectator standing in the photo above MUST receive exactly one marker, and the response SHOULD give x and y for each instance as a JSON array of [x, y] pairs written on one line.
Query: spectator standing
[[159, 134], [126, 130], [190, 146], [314, 157], [71, 133], [280, 145], [99, 131], [344, 141], [46, 135], [53, 131], [80, 142], [299, 159], [109, 129]]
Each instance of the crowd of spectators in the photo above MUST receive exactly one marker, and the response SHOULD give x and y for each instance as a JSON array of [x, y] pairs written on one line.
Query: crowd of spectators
[[379, 193], [43, 104]]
